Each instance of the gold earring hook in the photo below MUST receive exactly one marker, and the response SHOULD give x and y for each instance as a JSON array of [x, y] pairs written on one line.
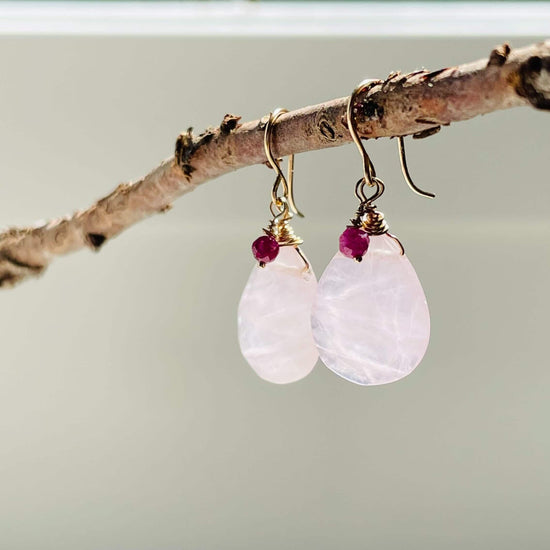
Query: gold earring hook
[[405, 170], [287, 201], [369, 173], [368, 168]]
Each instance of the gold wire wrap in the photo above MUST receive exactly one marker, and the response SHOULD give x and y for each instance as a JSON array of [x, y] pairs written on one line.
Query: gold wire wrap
[[279, 228], [373, 222]]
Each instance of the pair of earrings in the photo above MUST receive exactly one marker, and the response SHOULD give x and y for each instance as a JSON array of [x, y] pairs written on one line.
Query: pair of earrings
[[367, 318]]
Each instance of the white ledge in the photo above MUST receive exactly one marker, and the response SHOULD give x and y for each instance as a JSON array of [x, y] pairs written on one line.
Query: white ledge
[[242, 18]]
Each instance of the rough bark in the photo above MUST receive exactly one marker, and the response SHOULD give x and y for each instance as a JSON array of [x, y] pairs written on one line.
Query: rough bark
[[416, 104]]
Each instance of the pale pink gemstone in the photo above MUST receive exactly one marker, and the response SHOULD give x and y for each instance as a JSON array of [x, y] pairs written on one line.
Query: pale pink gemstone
[[370, 320], [274, 319]]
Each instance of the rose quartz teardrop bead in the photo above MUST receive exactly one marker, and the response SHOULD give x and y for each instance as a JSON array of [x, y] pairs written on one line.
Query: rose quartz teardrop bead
[[274, 319], [370, 319]]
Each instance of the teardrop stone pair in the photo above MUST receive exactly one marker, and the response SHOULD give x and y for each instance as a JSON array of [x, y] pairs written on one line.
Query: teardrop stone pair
[[368, 321]]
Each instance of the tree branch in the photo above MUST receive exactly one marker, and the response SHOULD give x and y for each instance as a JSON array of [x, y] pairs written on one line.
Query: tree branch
[[418, 103]]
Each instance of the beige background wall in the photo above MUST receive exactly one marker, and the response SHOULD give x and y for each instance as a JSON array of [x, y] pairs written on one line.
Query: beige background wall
[[128, 418]]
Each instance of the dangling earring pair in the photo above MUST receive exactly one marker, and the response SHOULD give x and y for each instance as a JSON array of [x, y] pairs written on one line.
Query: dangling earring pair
[[367, 319]]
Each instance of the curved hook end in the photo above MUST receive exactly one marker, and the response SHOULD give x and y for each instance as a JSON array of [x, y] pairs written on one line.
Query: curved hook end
[[290, 187], [405, 170]]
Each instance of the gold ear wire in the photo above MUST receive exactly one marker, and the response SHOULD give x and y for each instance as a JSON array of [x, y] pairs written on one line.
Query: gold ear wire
[[288, 185], [369, 173], [405, 170]]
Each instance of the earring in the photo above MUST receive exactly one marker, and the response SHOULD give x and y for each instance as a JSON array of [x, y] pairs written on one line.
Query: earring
[[275, 308], [370, 320]]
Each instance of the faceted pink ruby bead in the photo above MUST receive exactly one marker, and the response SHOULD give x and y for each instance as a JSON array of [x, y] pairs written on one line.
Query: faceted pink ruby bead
[[354, 242], [265, 248]]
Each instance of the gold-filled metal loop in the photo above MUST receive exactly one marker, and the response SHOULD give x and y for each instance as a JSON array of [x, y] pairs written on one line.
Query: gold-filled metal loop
[[360, 190]]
